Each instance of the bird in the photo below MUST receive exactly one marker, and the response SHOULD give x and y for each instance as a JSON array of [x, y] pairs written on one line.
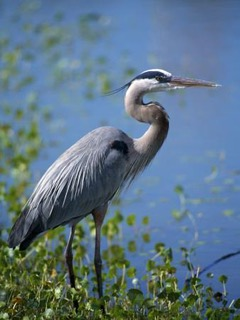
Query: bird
[[86, 177]]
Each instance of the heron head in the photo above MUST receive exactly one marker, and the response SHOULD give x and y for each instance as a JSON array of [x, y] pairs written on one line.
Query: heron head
[[155, 80]]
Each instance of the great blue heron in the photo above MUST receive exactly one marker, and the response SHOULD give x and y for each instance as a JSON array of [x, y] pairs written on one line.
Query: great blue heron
[[86, 177]]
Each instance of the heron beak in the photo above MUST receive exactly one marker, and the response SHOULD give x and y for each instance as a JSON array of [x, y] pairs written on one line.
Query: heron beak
[[178, 82]]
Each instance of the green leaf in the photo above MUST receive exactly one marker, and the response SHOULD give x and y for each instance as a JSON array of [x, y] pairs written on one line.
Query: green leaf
[[150, 265], [132, 247], [223, 279], [131, 272], [159, 247], [135, 296], [228, 212], [179, 189], [146, 237], [131, 219], [237, 304], [145, 220]]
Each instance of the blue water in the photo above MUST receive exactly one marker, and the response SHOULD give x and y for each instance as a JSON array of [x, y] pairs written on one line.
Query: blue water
[[197, 39]]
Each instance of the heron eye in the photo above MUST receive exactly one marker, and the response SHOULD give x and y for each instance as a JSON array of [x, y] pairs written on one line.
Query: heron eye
[[158, 78]]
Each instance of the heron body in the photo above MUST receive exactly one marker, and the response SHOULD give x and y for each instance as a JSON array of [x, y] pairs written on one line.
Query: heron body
[[86, 177], [76, 183]]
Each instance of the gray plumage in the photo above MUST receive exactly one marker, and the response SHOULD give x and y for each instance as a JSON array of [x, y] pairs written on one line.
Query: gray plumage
[[86, 176], [78, 181]]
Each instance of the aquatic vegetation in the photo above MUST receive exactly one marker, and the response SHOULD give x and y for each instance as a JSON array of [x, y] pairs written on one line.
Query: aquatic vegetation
[[33, 284]]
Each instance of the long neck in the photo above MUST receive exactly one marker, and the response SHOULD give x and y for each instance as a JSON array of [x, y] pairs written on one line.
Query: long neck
[[152, 113]]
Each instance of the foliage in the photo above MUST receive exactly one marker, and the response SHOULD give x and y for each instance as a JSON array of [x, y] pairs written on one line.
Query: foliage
[[33, 284]]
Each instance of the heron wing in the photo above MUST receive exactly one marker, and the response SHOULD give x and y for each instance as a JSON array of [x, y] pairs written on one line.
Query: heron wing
[[84, 177]]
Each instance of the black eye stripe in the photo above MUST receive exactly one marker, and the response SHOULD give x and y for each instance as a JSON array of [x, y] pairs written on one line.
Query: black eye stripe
[[159, 76]]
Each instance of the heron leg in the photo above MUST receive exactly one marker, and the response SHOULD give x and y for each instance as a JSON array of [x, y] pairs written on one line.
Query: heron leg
[[69, 257], [98, 216], [69, 262]]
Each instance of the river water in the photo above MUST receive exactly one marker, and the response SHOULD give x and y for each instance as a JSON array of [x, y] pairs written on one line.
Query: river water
[[201, 154]]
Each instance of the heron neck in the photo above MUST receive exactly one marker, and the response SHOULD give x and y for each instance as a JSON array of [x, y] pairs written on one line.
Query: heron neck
[[154, 114], [151, 141], [134, 103]]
